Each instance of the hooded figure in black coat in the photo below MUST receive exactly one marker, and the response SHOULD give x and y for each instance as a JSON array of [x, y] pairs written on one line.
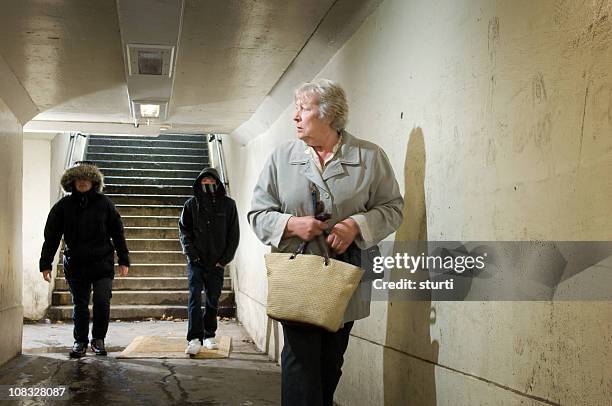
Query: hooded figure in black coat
[[209, 234], [87, 220]]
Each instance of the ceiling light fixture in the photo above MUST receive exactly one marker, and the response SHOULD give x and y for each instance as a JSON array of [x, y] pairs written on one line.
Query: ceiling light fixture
[[150, 109]]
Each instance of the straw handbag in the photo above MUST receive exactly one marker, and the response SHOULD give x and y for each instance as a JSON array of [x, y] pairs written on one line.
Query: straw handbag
[[310, 289]]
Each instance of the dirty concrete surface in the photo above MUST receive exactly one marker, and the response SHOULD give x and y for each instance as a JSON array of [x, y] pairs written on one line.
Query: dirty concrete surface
[[247, 377]]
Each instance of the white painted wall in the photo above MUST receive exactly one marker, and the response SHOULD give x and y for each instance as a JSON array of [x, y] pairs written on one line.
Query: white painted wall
[[11, 309], [59, 151], [36, 206], [44, 158], [496, 117]]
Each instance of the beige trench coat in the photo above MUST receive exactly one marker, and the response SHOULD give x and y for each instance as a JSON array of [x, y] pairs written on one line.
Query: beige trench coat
[[358, 182]]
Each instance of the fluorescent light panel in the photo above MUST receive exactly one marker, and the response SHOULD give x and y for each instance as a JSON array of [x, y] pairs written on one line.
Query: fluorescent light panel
[[149, 110]]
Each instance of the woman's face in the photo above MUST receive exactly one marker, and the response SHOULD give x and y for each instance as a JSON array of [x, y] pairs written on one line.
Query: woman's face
[[309, 126]]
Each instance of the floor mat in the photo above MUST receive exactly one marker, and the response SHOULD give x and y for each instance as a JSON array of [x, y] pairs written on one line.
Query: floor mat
[[172, 347]]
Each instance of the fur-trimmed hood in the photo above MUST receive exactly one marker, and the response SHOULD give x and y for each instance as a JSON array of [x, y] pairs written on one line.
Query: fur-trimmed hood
[[83, 171]]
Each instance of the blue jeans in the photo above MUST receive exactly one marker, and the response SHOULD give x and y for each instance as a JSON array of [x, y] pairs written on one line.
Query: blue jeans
[[203, 325]]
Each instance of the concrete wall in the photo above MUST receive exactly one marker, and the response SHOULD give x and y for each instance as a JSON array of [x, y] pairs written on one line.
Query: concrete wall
[[496, 117], [36, 205], [44, 160], [11, 309]]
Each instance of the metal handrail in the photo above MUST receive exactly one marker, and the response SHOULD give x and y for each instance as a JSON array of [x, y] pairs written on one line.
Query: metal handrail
[[217, 142], [70, 156]]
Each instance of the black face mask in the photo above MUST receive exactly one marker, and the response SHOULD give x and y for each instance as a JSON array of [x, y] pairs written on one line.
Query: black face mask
[[209, 188]]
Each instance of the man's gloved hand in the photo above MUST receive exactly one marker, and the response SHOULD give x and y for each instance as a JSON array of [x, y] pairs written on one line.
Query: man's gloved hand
[[195, 260]]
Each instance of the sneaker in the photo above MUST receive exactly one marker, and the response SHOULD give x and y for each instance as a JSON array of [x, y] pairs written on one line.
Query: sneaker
[[78, 350], [210, 344], [193, 347], [97, 346]]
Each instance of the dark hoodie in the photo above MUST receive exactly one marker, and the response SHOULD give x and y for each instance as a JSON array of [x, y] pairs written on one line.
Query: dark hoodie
[[208, 227], [87, 221]]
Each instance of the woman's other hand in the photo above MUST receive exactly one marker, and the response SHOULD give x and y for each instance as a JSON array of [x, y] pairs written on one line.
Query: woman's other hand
[[306, 227], [342, 235]]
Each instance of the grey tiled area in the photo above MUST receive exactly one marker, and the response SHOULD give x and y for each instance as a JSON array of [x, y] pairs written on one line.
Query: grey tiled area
[[247, 377]]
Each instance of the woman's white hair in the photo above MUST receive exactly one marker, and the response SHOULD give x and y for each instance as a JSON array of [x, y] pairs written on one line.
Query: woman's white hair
[[330, 98]]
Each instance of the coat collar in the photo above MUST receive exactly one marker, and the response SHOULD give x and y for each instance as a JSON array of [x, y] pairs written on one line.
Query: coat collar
[[349, 152]]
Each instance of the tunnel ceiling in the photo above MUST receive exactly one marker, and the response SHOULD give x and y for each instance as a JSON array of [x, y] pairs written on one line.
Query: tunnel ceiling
[[68, 57]]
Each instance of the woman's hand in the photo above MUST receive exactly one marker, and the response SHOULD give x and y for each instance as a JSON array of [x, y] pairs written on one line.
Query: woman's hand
[[47, 275], [306, 227], [342, 235]]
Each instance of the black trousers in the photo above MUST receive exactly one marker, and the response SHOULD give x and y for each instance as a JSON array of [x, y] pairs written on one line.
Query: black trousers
[[203, 325], [311, 363], [81, 291]]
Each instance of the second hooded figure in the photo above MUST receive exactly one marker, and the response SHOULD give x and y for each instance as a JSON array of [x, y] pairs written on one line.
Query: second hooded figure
[[209, 234]]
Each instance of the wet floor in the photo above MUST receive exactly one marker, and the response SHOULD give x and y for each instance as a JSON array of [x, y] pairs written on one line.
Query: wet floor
[[247, 377]]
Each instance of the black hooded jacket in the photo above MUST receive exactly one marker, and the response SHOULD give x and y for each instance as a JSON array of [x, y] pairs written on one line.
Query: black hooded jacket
[[208, 226], [87, 221]]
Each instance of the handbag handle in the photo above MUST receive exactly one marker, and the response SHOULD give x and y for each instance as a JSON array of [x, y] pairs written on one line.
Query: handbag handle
[[322, 246]]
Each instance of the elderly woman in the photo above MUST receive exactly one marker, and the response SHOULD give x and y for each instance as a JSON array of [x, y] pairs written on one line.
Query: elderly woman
[[356, 186]]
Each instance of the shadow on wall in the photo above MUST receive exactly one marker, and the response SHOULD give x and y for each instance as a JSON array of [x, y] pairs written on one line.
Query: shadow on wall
[[409, 355]]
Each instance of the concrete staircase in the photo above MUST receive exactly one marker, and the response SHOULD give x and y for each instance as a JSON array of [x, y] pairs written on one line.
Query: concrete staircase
[[148, 179]]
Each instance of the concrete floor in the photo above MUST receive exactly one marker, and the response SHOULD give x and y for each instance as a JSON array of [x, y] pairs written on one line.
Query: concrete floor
[[247, 377]]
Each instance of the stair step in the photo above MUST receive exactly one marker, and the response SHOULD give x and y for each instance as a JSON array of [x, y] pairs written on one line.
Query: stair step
[[154, 244], [144, 149], [147, 190], [146, 297], [126, 312], [149, 210], [144, 157], [151, 232], [148, 181], [125, 142], [166, 166], [150, 221], [159, 137], [152, 173], [173, 200], [181, 137], [157, 257], [138, 270], [153, 257], [145, 283]]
